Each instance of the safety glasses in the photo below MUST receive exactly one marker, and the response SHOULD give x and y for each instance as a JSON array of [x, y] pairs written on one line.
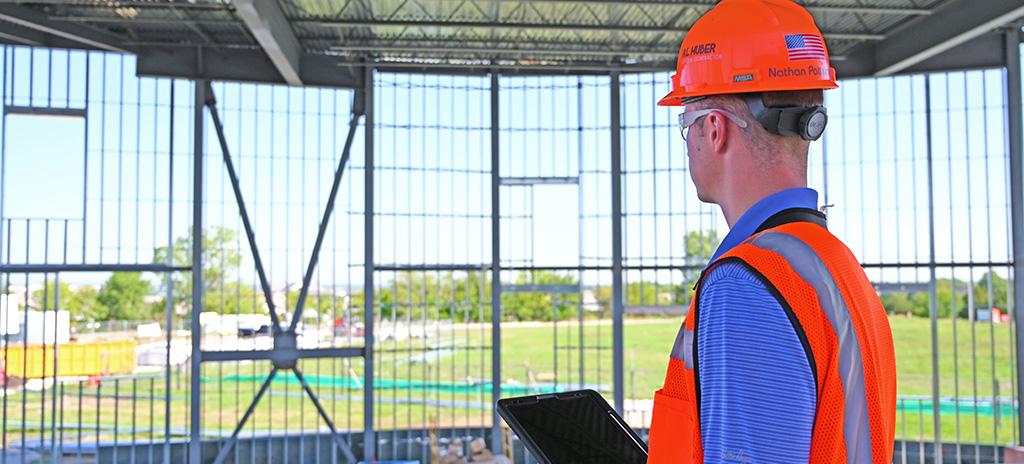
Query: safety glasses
[[687, 118]]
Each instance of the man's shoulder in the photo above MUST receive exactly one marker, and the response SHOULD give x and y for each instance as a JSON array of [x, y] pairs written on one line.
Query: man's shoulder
[[731, 279]]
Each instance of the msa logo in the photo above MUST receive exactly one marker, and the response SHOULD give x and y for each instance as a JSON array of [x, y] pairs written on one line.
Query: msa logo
[[743, 78]]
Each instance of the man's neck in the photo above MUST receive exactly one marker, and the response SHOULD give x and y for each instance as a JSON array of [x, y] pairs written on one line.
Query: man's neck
[[744, 195]]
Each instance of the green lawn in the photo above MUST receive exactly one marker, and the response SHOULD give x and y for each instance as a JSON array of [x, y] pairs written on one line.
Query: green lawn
[[446, 373]]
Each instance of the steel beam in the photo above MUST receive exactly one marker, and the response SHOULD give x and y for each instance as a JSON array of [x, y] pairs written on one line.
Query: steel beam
[[618, 345], [32, 19], [670, 51], [458, 25], [123, 20], [1015, 134], [18, 35], [244, 65], [46, 111], [267, 23], [251, 65], [665, 29], [259, 355], [568, 289], [41, 268], [250, 235], [574, 180], [315, 255], [953, 23], [433, 267], [862, 9], [131, 3], [492, 25], [226, 448], [342, 445]]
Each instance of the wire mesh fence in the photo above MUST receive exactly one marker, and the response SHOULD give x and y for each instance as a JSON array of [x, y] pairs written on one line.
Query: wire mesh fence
[[477, 188]]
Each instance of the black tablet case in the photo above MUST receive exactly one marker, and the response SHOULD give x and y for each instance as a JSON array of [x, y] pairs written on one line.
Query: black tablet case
[[577, 427]]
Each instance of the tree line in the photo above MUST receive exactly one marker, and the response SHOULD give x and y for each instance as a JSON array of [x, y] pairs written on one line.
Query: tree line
[[461, 297], [951, 295]]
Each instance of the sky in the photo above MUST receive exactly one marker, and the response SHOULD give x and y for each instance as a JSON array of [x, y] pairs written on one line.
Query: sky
[[432, 184]]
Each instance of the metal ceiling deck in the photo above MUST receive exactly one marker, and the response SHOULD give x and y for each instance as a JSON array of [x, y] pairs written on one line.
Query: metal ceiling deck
[[328, 42]]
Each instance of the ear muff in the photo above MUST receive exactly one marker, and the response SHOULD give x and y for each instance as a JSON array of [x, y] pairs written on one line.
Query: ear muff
[[806, 122], [812, 123]]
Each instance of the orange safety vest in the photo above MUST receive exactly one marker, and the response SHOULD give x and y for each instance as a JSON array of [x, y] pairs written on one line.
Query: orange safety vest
[[844, 329]]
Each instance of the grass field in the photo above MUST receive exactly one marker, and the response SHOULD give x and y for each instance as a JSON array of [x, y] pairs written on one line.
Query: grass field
[[451, 373]]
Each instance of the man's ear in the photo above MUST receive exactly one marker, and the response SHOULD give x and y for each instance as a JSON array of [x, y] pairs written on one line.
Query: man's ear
[[718, 131]]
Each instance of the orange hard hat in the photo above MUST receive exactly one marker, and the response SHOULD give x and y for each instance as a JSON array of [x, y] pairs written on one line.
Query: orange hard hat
[[751, 46]]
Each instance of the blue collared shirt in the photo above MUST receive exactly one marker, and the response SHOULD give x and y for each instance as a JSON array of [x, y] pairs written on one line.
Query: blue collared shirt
[[758, 397], [761, 211]]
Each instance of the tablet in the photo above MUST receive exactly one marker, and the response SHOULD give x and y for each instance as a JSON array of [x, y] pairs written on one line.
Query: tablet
[[577, 427]]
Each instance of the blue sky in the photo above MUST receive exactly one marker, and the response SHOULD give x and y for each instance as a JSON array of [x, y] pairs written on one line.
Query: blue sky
[[433, 159]]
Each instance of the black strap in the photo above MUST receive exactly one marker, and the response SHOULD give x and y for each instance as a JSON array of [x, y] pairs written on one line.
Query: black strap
[[787, 216]]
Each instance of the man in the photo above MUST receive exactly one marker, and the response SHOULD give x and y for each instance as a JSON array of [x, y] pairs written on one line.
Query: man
[[786, 355]]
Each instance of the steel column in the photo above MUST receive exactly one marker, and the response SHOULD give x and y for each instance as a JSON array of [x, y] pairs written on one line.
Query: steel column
[[617, 310], [194, 448], [170, 282], [933, 292], [369, 439], [3, 183], [495, 262], [1015, 132]]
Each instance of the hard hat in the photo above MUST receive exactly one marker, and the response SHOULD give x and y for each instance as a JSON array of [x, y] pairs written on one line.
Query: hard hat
[[751, 46]]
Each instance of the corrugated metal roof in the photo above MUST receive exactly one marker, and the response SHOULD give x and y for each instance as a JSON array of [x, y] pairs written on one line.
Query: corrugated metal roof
[[574, 34]]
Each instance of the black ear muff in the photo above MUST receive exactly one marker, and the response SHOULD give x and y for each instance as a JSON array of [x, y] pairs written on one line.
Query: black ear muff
[[812, 123], [806, 122]]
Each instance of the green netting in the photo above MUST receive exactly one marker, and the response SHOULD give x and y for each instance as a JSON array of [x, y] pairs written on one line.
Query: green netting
[[949, 408], [385, 384], [946, 408]]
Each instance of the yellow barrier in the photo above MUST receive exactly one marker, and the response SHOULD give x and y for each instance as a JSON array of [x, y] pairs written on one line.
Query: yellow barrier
[[75, 359]]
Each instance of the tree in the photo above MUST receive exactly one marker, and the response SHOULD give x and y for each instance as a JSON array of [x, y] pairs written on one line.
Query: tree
[[220, 260], [323, 303], [642, 293], [948, 293], [700, 246], [474, 289], [235, 298], [539, 306], [999, 291], [951, 294], [80, 302], [898, 303], [124, 296]]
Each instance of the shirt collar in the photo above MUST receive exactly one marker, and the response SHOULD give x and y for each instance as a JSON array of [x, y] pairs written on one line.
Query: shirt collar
[[761, 211]]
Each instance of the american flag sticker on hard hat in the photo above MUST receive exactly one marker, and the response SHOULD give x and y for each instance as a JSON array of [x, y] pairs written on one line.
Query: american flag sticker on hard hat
[[805, 47]]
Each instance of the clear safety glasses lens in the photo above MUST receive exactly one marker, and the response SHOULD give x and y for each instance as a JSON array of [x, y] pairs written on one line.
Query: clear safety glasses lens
[[687, 118]]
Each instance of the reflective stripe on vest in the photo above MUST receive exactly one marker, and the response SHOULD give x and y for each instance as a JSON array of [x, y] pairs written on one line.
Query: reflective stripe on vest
[[810, 267], [683, 348]]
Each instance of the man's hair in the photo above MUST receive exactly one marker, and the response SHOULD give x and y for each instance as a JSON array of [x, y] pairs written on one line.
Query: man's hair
[[766, 143], [794, 98]]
